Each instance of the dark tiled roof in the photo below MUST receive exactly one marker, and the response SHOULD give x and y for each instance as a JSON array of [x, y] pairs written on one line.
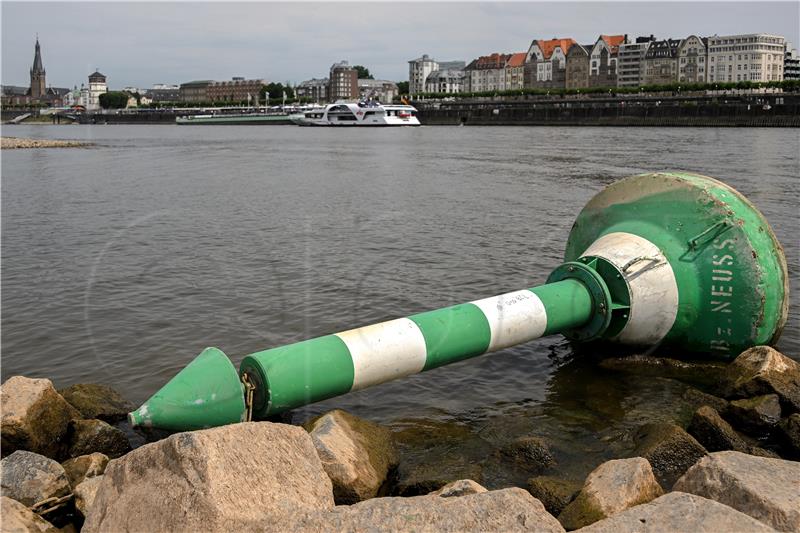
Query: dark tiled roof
[[663, 49]]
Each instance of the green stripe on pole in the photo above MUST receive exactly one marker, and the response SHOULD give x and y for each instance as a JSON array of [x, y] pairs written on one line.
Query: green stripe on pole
[[301, 373], [453, 333], [568, 304]]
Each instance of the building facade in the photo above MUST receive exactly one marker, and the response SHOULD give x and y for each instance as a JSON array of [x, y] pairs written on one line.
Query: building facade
[[515, 71], [445, 81], [630, 62], [418, 71], [791, 63], [546, 63], [692, 60], [603, 60], [315, 89], [753, 57], [661, 62], [487, 73], [382, 91], [236, 90], [577, 70], [343, 82], [97, 86], [194, 91], [164, 93]]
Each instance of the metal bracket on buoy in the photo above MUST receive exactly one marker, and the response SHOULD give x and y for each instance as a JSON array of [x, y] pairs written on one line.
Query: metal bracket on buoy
[[627, 278]]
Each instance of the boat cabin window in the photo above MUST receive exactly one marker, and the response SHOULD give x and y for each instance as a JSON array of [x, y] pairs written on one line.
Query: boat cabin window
[[345, 116]]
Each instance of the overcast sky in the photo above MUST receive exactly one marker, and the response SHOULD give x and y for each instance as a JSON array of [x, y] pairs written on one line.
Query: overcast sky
[[139, 44]]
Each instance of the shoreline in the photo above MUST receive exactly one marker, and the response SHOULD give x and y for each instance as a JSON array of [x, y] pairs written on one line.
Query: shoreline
[[18, 143]]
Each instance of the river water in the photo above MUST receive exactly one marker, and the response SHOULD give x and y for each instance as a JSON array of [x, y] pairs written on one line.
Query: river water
[[122, 261]]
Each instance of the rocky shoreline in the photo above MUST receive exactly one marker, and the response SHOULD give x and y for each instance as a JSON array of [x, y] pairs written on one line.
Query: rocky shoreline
[[68, 466], [13, 143]]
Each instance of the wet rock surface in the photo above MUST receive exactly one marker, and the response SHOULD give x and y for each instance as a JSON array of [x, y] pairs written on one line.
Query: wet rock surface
[[31, 478], [697, 372], [554, 493], [611, 488], [763, 488], [530, 453], [207, 480], [697, 399], [462, 487], [89, 436], [424, 478], [504, 510], [669, 449], [34, 417], [84, 466], [714, 433], [755, 415], [357, 455], [679, 513], [763, 370], [97, 401], [16, 518]]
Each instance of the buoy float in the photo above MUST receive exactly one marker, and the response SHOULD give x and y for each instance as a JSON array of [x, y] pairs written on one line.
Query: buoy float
[[657, 259]]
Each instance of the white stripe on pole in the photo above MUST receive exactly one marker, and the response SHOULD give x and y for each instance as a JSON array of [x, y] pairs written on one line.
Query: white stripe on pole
[[650, 280], [386, 351], [513, 318]]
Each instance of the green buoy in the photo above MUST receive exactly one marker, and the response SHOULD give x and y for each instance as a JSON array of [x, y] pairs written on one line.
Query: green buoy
[[669, 258]]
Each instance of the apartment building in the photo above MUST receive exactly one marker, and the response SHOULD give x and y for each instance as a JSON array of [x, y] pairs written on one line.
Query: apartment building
[[752, 57], [316, 89], [343, 82], [577, 69], [791, 63], [236, 89], [487, 73], [418, 71], [661, 62], [603, 60], [692, 60], [546, 62], [445, 81], [630, 59], [515, 71]]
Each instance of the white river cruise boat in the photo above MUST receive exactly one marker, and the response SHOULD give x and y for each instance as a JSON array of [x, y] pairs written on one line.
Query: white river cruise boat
[[359, 114]]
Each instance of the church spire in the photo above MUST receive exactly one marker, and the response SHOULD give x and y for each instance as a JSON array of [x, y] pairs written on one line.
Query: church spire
[[37, 89], [37, 59]]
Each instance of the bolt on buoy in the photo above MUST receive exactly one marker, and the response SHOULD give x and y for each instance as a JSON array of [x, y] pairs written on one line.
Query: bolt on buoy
[[630, 276]]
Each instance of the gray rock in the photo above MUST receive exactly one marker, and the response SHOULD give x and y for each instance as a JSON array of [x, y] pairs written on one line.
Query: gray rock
[[462, 487], [611, 488], [697, 399], [531, 453], [356, 454], [507, 510], [714, 433], [90, 436], [766, 489], [212, 479], [85, 494], [85, 466], [755, 415], [789, 431], [669, 449], [16, 518], [97, 401], [34, 417], [677, 512], [424, 478], [763, 370], [554, 493], [31, 478]]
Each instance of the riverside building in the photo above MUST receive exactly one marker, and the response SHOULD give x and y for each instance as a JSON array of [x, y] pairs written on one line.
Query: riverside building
[[753, 57], [546, 63], [791, 63], [661, 62], [343, 82], [487, 73], [692, 60], [630, 60], [418, 71], [237, 89], [603, 60]]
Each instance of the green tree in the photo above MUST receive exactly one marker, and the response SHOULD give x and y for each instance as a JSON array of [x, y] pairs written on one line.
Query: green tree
[[363, 73], [276, 91], [402, 87], [113, 100]]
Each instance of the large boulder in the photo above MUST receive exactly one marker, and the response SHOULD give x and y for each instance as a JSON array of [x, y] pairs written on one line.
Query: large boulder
[[90, 436], [554, 493], [97, 401], [764, 370], [669, 450], [504, 510], [789, 432], [462, 487], [766, 489], [714, 433], [16, 518], [34, 417], [678, 512], [529, 453], [696, 399], [611, 487], [85, 494], [356, 454], [205, 480], [31, 478], [755, 415], [703, 373], [85, 466]]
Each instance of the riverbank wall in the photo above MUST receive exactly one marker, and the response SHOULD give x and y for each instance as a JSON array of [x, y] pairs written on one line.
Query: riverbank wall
[[773, 110]]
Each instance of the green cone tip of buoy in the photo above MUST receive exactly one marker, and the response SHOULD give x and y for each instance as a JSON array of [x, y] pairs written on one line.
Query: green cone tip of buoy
[[667, 259], [207, 393]]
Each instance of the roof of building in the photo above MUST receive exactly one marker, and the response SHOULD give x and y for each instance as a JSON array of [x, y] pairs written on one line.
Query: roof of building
[[547, 47], [449, 73], [492, 61], [451, 65], [579, 49], [13, 90], [517, 59], [97, 76], [57, 91], [663, 49], [196, 83], [613, 41]]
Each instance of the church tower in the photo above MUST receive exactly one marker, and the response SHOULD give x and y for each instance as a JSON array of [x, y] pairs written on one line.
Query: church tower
[[37, 74]]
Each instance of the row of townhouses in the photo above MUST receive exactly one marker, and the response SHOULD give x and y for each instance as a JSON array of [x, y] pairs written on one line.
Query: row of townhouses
[[613, 61]]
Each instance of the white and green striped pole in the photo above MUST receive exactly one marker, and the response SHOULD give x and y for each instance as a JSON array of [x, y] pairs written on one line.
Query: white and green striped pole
[[667, 258]]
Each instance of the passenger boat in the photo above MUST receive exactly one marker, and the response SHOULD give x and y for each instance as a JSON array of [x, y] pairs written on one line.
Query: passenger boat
[[358, 114], [234, 119]]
